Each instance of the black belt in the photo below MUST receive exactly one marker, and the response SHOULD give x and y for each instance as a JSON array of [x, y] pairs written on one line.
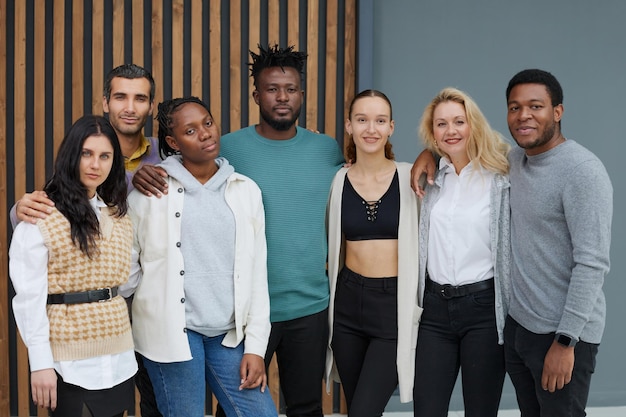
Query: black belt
[[100, 295], [448, 291]]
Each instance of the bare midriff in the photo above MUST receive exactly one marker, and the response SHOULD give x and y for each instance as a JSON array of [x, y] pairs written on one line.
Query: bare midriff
[[377, 258]]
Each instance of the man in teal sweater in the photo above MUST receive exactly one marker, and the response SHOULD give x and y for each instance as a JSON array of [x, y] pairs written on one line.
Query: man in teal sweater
[[294, 168]]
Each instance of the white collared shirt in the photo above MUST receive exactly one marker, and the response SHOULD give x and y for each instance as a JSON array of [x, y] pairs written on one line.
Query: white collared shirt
[[459, 250], [28, 266]]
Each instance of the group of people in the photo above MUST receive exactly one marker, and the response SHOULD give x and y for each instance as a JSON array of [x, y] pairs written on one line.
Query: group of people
[[349, 267]]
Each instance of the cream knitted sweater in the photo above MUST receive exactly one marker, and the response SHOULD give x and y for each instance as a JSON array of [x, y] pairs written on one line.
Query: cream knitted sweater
[[79, 331]]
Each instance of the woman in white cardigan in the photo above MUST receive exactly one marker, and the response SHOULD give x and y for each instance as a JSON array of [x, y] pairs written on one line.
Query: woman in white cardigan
[[201, 307], [373, 264]]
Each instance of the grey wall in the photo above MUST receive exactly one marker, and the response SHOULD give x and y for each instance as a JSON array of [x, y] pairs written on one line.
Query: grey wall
[[419, 47]]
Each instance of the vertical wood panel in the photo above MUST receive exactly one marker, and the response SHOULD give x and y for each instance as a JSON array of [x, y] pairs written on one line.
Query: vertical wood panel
[[330, 100], [97, 56], [78, 92], [177, 64], [254, 27], [273, 21], [235, 65], [311, 65], [19, 181], [349, 66], [196, 48], [215, 69], [157, 53], [4, 286], [118, 32], [137, 32], [39, 110], [293, 24]]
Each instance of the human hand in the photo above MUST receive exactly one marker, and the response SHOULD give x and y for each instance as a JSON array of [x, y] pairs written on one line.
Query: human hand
[[33, 206], [43, 384], [424, 164], [150, 180], [252, 372], [557, 367]]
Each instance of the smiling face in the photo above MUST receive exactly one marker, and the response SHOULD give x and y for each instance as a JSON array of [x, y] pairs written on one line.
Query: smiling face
[[533, 120], [451, 131], [279, 96], [194, 134], [129, 105], [370, 125], [96, 160]]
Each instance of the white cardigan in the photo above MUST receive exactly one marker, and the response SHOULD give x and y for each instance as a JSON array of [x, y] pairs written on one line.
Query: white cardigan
[[409, 312], [158, 318]]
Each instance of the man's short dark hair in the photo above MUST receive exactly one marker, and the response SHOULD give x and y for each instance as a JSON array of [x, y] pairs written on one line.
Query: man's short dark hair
[[537, 76], [275, 56], [130, 72]]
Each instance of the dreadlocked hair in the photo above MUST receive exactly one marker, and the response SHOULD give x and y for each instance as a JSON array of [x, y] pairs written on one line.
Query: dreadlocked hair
[[164, 116], [275, 56]]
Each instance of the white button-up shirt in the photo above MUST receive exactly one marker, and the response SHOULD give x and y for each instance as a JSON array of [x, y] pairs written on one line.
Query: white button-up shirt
[[28, 267], [459, 250]]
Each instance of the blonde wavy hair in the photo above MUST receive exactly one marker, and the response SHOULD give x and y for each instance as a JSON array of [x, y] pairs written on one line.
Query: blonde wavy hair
[[485, 145]]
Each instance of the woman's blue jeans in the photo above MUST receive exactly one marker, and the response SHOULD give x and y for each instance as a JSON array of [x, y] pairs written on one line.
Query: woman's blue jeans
[[180, 387]]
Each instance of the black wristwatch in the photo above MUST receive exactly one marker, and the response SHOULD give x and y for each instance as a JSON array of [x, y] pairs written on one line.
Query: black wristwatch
[[565, 340]]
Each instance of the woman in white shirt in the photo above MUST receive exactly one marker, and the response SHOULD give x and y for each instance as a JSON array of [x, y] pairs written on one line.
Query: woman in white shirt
[[464, 260], [66, 270]]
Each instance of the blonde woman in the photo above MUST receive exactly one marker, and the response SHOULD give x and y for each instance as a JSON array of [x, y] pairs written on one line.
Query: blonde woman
[[464, 260]]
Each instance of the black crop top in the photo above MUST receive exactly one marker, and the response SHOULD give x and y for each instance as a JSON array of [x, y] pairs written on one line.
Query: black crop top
[[361, 220]]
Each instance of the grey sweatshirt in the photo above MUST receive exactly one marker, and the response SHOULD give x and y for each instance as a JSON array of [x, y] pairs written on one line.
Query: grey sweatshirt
[[561, 211], [208, 248]]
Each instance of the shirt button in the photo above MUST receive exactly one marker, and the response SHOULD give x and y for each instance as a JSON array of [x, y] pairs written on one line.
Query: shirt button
[[182, 300], [182, 272], [185, 330], [177, 214], [180, 190], [178, 244]]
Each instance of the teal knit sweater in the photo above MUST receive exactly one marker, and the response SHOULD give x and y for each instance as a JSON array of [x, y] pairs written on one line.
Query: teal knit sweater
[[294, 176]]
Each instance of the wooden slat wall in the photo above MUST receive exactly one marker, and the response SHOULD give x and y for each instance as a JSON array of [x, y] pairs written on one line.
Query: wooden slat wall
[[54, 55]]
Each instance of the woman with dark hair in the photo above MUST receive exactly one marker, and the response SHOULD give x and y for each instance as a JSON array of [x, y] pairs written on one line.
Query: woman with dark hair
[[201, 305], [372, 264], [66, 270]]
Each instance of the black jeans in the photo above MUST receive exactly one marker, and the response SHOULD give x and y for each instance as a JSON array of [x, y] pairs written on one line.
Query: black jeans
[[147, 404], [458, 333], [525, 352], [365, 341], [300, 346]]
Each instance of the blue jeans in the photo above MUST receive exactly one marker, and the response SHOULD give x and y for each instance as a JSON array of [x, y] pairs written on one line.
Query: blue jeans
[[458, 333], [180, 389], [525, 352]]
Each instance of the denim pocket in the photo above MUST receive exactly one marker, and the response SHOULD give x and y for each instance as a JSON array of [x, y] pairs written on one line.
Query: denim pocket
[[485, 298]]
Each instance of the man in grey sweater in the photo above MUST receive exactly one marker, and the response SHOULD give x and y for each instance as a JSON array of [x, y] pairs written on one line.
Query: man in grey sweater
[[561, 210]]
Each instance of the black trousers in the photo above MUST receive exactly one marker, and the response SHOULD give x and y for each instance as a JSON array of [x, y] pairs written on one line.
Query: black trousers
[[458, 333], [111, 402], [365, 341], [525, 352], [147, 404]]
